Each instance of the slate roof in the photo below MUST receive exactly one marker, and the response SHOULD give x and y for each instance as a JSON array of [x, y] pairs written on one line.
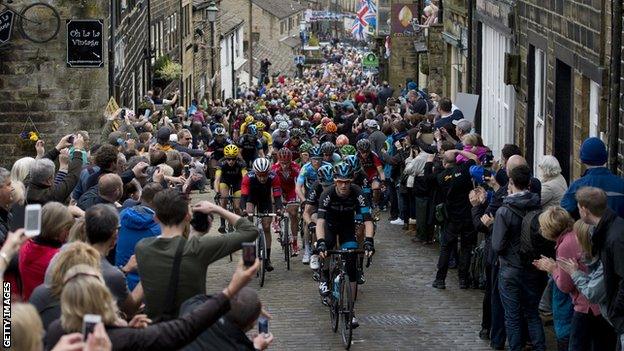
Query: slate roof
[[281, 60], [280, 8], [229, 21]]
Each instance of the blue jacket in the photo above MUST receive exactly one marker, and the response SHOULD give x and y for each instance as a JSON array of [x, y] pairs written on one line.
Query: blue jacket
[[136, 223], [599, 177]]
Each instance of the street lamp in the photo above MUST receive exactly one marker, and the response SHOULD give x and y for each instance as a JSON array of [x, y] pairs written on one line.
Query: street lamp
[[211, 13]]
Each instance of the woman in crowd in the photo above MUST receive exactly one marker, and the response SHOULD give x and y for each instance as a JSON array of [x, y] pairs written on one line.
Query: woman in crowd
[[36, 254], [554, 184]]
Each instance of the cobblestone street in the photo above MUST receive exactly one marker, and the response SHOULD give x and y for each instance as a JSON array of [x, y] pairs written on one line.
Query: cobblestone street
[[397, 308]]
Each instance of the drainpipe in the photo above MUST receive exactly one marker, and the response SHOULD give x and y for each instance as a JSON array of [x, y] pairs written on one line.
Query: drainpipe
[[149, 48], [615, 75], [469, 54], [111, 50]]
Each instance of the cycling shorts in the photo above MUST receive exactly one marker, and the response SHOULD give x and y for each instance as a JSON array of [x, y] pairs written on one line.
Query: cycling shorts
[[235, 188], [350, 259]]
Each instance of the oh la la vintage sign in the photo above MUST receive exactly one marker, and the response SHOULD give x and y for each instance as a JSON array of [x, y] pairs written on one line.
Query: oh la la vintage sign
[[85, 43]]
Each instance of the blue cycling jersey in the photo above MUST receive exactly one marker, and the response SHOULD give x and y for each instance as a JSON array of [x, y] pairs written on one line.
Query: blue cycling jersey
[[307, 175]]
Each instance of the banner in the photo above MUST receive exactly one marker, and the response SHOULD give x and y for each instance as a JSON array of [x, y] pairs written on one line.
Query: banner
[[317, 16], [404, 20]]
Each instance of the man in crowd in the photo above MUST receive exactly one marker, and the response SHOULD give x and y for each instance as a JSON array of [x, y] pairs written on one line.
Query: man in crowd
[[608, 245], [108, 191], [447, 113]]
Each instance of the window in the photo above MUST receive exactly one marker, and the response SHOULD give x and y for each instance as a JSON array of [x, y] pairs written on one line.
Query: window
[[186, 20], [539, 107], [282, 26], [237, 52], [120, 56], [290, 23], [117, 4], [594, 108], [227, 51]]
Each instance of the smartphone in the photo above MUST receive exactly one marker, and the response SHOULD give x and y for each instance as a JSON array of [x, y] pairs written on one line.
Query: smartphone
[[187, 171], [263, 325], [32, 220], [89, 321], [70, 139], [249, 253], [148, 112], [122, 114]]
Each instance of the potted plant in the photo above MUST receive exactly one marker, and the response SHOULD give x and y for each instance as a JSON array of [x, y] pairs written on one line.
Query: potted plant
[[166, 71]]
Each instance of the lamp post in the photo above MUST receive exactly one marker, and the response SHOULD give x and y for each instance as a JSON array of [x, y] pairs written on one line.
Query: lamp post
[[211, 12]]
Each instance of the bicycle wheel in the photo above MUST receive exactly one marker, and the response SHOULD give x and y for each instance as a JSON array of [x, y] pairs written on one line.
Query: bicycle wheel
[[39, 22], [286, 242], [262, 256], [346, 312], [334, 306]]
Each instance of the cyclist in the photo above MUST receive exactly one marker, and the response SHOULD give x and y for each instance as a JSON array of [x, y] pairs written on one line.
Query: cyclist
[[228, 177], [306, 179], [294, 142], [287, 170], [347, 150], [325, 178], [248, 121], [330, 133], [360, 179], [304, 154], [258, 187], [329, 155], [372, 166], [251, 147], [280, 135], [216, 146], [335, 224], [266, 139]]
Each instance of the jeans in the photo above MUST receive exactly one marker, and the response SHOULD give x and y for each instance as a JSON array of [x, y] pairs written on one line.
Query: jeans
[[520, 292], [591, 333], [497, 327], [451, 232]]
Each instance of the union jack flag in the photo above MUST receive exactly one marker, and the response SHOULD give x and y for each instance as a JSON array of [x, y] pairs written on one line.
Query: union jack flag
[[365, 20]]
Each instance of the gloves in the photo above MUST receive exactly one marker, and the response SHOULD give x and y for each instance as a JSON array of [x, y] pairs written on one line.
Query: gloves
[[321, 246], [369, 245]]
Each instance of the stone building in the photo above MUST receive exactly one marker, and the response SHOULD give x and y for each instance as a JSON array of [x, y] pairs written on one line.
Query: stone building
[[206, 51], [165, 38], [563, 92], [36, 82], [455, 35], [232, 58], [275, 32]]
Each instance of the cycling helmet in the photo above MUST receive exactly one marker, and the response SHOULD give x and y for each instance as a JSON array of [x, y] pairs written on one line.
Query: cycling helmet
[[230, 151], [261, 165], [343, 171], [316, 118], [284, 154], [328, 148], [295, 133], [331, 127], [325, 120], [283, 126], [315, 152], [342, 140], [325, 174], [220, 131], [363, 145], [260, 125], [305, 147], [353, 161], [348, 150], [249, 119], [252, 129]]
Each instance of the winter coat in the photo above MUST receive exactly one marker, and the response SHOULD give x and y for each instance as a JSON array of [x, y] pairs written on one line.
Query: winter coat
[[591, 285], [553, 190], [507, 227], [599, 177], [34, 257], [608, 244], [136, 223]]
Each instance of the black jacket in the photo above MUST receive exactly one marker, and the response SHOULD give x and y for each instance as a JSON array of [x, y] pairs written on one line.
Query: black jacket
[[5, 224], [91, 198], [454, 185], [42, 193], [507, 227], [608, 243]]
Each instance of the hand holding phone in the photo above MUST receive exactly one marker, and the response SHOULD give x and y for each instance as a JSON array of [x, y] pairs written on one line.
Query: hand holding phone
[[32, 220], [89, 321], [249, 253], [263, 326]]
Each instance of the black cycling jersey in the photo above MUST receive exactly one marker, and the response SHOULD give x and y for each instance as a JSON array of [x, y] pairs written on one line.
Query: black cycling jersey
[[217, 147], [231, 174], [339, 212], [249, 145], [314, 194]]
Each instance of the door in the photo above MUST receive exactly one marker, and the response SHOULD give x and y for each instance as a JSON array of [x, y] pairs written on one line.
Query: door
[[539, 107], [594, 108], [562, 139], [497, 106]]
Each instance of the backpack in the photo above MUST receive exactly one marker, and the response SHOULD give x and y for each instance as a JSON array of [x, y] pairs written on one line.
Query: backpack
[[476, 272], [532, 244]]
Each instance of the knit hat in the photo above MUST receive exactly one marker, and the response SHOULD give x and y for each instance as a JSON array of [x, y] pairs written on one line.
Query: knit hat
[[593, 152]]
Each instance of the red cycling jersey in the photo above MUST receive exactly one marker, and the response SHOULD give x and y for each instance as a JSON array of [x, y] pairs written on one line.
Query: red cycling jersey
[[257, 192], [287, 179], [370, 164]]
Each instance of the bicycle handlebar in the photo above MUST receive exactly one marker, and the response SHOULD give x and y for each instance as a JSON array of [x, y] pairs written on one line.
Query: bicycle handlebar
[[369, 260]]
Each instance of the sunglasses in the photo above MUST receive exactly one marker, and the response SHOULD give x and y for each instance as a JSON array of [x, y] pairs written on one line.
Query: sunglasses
[[344, 181]]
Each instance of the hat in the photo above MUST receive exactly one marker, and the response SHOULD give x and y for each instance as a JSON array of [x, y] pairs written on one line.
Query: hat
[[463, 124], [371, 123], [163, 133], [593, 152]]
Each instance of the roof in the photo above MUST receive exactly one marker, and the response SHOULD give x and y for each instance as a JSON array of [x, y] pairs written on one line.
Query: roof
[[200, 4], [281, 60], [280, 8], [229, 22], [292, 42]]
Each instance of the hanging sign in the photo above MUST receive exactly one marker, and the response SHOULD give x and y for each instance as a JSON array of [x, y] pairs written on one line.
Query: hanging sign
[[6, 25], [85, 43]]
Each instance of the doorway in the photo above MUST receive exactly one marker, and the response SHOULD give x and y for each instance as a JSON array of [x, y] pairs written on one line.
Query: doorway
[[562, 140]]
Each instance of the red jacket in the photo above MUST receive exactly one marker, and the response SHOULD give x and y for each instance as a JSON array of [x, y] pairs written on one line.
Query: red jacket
[[34, 258]]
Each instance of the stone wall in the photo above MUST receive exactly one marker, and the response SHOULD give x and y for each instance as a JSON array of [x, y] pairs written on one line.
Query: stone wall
[[35, 82], [436, 47], [402, 63]]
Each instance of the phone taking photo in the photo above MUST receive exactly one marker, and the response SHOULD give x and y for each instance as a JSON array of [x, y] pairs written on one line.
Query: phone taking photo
[[263, 325], [249, 253], [32, 220], [89, 321]]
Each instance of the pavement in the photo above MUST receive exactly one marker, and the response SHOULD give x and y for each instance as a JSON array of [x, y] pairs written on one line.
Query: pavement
[[397, 308]]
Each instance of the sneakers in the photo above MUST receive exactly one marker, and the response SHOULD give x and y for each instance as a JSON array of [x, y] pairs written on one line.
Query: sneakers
[[323, 289], [268, 266], [294, 249], [306, 256], [484, 334], [314, 262], [354, 323], [438, 284], [361, 280], [397, 221]]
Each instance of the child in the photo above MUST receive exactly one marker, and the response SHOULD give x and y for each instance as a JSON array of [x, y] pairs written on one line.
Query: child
[[474, 144]]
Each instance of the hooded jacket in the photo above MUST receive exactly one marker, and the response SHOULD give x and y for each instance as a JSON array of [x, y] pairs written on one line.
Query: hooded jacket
[[90, 198], [608, 244], [599, 177], [507, 227], [137, 222]]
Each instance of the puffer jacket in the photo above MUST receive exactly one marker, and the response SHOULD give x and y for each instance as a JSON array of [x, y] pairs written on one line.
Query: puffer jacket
[[507, 227]]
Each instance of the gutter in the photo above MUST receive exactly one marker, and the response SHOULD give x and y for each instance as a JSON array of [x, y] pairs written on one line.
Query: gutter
[[614, 83]]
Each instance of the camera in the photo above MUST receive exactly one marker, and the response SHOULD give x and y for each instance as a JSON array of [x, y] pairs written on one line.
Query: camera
[[425, 127]]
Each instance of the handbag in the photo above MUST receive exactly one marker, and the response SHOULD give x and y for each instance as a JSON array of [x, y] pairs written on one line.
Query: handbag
[[169, 312]]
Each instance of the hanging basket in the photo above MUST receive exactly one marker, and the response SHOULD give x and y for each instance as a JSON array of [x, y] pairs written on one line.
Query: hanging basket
[[29, 135]]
